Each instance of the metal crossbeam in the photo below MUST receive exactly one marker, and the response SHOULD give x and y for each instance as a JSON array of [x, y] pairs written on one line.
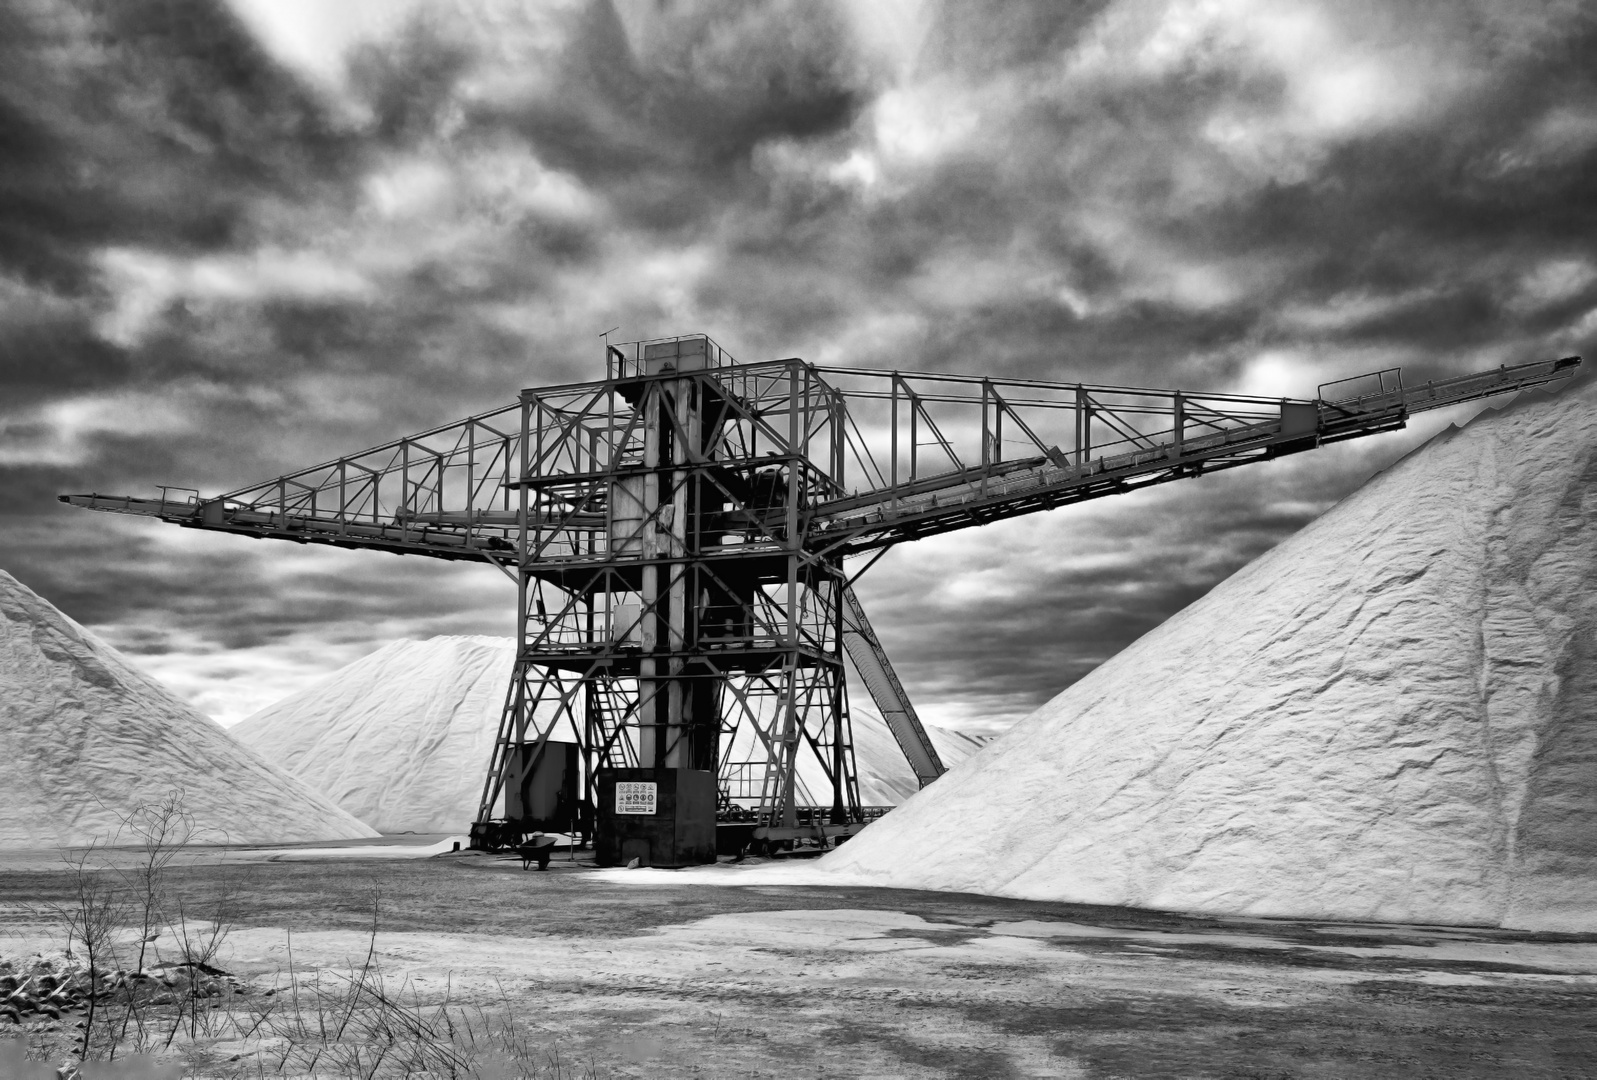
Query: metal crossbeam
[[678, 533], [428, 494], [881, 681]]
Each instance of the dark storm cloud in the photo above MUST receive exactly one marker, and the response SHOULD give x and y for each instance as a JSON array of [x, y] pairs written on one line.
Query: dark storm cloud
[[973, 38], [44, 353], [214, 268], [410, 83], [240, 597], [677, 108], [152, 123], [1450, 200], [158, 128]]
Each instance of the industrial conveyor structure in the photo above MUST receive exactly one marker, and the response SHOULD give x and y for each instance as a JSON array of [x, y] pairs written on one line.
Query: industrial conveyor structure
[[684, 534]]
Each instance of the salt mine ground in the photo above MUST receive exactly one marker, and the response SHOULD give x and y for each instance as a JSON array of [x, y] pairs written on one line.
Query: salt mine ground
[[658, 973]]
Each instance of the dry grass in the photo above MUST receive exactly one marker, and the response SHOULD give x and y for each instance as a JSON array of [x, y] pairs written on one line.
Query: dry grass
[[187, 1019], [358, 1023], [351, 1023]]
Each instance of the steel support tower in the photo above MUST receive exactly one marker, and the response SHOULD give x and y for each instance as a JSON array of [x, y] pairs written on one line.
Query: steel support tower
[[670, 609], [683, 536]]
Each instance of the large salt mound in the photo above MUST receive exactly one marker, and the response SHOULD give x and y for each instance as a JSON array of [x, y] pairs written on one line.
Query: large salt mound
[[85, 737], [400, 738], [884, 776], [1390, 716]]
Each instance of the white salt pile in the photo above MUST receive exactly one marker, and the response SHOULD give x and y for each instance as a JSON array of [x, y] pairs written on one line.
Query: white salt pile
[[885, 778], [401, 738], [1390, 716], [86, 737]]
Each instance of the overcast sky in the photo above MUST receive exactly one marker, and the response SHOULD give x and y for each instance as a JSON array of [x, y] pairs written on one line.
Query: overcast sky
[[237, 238]]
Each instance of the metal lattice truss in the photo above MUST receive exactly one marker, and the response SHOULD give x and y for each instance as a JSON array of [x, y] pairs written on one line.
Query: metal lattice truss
[[922, 454], [666, 585], [678, 532]]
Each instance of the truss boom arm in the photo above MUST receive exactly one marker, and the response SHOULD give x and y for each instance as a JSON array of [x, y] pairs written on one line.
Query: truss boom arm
[[677, 535], [975, 496], [446, 493]]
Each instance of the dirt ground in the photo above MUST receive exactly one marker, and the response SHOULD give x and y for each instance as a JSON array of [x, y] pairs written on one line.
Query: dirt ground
[[641, 976]]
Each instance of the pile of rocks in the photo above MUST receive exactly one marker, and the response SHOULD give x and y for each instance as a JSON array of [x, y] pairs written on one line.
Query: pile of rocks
[[43, 988], [165, 983]]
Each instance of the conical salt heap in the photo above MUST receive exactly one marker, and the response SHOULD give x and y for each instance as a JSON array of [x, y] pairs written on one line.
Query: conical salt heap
[[86, 737], [1391, 716], [401, 738], [884, 775]]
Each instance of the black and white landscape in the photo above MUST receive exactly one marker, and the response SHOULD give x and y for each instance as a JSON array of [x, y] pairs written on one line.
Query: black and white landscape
[[1289, 770]]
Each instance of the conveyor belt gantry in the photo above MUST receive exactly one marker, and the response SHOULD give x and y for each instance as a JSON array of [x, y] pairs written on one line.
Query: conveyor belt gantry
[[678, 532]]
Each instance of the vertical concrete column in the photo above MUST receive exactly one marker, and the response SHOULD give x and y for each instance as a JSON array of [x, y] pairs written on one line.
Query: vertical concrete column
[[649, 698], [684, 449], [790, 732]]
